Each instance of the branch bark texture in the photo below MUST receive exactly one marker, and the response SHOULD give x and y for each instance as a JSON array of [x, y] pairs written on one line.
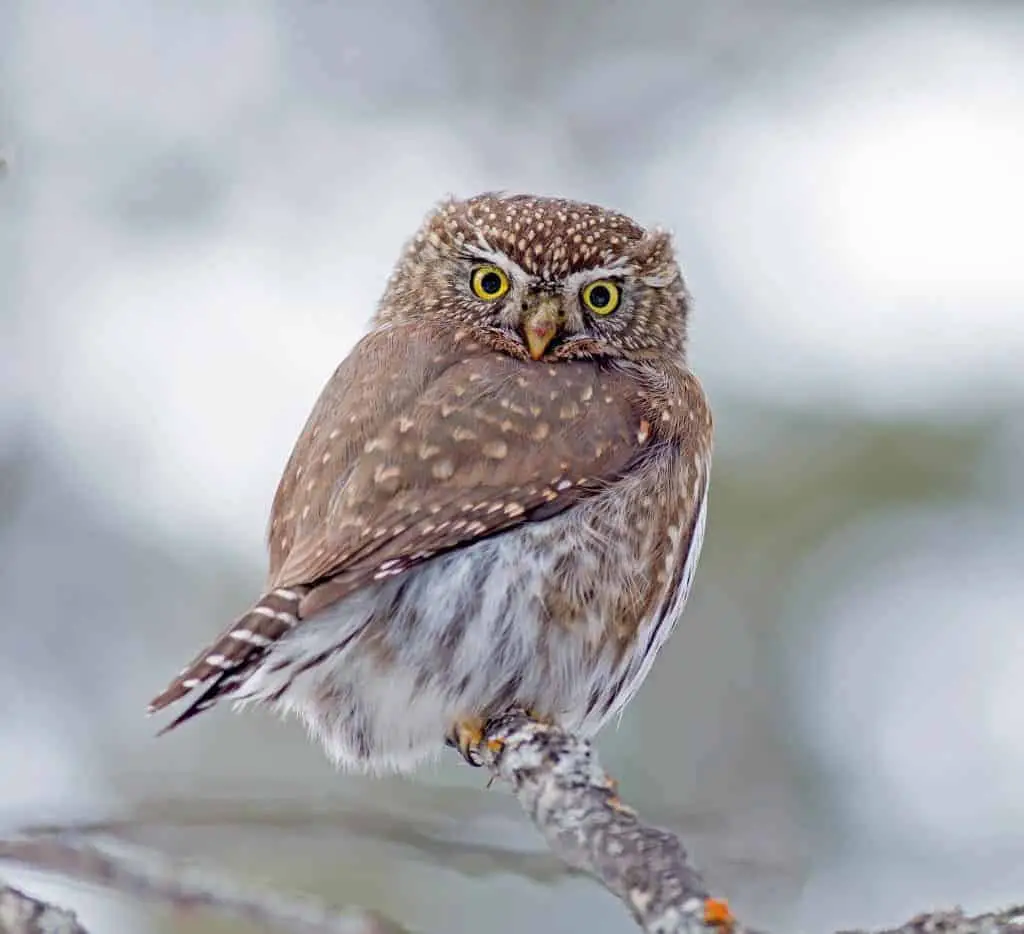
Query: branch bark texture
[[561, 786], [144, 874], [563, 789], [23, 914]]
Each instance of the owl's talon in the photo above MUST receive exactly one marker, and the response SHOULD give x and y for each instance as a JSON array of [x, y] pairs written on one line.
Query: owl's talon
[[466, 736]]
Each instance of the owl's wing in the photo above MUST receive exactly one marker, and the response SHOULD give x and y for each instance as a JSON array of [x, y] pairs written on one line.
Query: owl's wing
[[492, 443], [489, 443], [384, 374]]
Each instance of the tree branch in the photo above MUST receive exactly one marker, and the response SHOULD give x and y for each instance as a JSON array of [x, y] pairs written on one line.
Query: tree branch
[[144, 874], [572, 801], [22, 914], [562, 788]]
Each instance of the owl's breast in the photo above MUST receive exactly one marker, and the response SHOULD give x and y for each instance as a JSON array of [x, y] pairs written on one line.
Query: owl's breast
[[610, 569], [563, 616]]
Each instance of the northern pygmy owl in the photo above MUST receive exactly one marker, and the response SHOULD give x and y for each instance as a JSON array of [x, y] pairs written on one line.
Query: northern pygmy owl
[[498, 500]]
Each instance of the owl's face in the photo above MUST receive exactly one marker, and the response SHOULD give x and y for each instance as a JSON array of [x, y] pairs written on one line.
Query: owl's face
[[543, 279]]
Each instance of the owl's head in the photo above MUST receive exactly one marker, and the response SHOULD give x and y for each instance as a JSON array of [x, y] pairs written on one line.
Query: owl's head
[[543, 278]]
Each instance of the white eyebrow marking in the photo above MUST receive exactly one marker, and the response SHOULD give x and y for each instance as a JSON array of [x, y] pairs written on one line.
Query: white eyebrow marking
[[486, 252], [576, 281]]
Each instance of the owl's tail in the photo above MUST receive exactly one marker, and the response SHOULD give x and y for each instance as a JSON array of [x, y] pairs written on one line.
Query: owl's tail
[[221, 667]]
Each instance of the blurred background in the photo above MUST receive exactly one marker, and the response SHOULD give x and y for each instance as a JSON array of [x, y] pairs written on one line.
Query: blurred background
[[200, 205]]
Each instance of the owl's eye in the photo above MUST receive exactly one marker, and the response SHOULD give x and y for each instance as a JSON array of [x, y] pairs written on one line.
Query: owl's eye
[[601, 297], [489, 282]]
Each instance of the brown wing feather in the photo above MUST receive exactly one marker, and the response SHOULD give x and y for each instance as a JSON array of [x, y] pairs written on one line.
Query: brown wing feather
[[466, 444], [384, 373], [351, 408], [492, 443], [221, 667]]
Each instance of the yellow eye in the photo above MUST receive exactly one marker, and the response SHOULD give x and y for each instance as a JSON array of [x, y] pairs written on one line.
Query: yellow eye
[[601, 297], [489, 282]]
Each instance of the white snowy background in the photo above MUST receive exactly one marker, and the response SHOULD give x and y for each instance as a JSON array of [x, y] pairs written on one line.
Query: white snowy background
[[200, 206]]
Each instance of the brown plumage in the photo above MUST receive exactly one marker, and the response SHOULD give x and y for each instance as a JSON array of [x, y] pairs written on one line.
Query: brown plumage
[[498, 498]]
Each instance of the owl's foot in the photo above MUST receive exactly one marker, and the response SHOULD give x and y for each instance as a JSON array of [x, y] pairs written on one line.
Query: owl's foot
[[495, 745], [466, 736]]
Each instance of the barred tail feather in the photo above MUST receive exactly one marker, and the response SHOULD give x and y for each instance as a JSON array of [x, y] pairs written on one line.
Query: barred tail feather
[[221, 667]]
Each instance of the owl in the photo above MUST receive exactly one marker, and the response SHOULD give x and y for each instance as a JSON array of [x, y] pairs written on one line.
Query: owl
[[497, 502]]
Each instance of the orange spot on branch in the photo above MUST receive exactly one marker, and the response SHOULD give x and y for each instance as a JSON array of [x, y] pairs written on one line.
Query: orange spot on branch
[[717, 913]]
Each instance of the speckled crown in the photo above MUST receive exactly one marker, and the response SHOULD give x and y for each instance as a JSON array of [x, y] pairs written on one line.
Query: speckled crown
[[548, 237]]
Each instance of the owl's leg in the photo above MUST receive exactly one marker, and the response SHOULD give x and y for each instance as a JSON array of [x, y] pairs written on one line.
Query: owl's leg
[[465, 736], [530, 713]]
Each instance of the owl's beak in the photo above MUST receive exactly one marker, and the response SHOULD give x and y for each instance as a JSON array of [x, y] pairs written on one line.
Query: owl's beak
[[540, 325]]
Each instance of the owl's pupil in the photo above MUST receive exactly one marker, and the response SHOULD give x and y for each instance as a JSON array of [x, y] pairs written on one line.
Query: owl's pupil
[[600, 296], [490, 282]]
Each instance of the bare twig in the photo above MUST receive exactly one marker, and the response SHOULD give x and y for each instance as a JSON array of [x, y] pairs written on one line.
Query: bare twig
[[148, 875], [557, 780], [1008, 921], [415, 829], [574, 804], [22, 914]]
